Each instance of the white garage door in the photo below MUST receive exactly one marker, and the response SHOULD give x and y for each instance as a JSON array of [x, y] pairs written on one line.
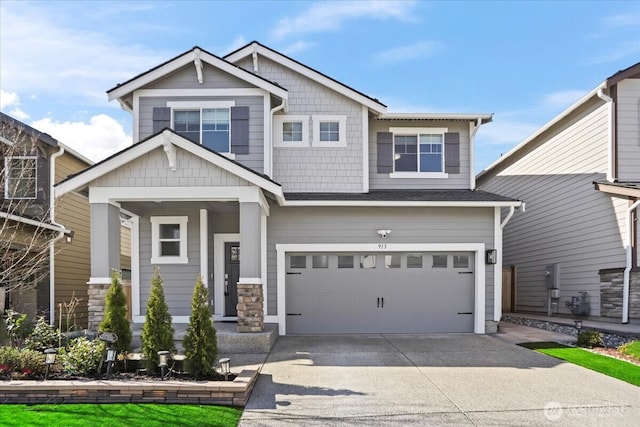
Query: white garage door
[[379, 293]]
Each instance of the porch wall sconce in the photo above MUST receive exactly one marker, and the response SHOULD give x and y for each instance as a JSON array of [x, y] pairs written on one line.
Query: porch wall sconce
[[49, 360], [225, 367], [163, 362], [578, 326], [69, 236], [491, 256]]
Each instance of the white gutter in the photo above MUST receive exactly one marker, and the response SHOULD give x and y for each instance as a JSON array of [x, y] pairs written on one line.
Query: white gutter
[[274, 110], [473, 129], [627, 270], [35, 223], [52, 243], [610, 105]]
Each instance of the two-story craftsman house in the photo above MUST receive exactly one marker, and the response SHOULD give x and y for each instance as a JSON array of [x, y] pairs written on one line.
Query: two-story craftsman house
[[299, 195]]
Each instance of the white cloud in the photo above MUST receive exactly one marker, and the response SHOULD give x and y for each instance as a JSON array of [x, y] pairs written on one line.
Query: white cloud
[[98, 139], [8, 99], [19, 114], [563, 99], [623, 20], [330, 16], [41, 55], [423, 49], [297, 47], [236, 44], [506, 132]]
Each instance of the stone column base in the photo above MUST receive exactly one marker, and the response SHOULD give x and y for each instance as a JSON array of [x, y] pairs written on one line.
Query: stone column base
[[97, 294], [250, 308]]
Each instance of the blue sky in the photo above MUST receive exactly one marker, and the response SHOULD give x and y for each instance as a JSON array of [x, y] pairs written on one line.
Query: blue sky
[[523, 61]]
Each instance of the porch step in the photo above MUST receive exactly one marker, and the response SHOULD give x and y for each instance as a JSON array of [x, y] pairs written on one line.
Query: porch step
[[229, 340]]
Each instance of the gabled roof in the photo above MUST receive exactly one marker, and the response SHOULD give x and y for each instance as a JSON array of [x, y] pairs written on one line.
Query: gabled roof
[[186, 58], [82, 179], [241, 53], [17, 124], [630, 72]]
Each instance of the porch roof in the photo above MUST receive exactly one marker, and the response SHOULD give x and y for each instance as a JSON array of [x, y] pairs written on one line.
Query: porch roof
[[166, 138]]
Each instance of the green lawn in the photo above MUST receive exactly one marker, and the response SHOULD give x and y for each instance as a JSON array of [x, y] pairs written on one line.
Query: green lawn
[[615, 368], [116, 414], [632, 349]]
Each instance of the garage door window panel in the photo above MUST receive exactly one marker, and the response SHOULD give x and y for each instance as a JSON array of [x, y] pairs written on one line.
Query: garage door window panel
[[367, 261], [414, 261], [298, 261], [460, 261], [320, 261], [345, 261], [392, 261], [440, 261]]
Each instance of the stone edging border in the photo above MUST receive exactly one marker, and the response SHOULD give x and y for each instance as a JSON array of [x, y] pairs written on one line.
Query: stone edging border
[[232, 393]]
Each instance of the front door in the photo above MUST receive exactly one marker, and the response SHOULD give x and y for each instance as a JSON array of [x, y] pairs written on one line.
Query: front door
[[231, 277]]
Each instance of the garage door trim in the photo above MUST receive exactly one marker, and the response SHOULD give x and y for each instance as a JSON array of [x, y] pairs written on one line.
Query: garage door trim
[[283, 249]]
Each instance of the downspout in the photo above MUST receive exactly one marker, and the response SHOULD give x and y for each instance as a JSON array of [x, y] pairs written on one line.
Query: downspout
[[472, 143], [627, 270], [52, 243], [274, 110], [610, 153]]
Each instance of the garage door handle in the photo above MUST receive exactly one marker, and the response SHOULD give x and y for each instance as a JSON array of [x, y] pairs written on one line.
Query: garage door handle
[[382, 302], [294, 314], [293, 272], [378, 305], [465, 272], [470, 312]]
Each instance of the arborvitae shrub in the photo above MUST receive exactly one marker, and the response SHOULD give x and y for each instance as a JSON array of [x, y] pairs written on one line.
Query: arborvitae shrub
[[200, 345], [157, 332], [115, 315]]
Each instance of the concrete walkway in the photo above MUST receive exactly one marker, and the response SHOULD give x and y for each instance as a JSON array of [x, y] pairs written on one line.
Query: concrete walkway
[[453, 379]]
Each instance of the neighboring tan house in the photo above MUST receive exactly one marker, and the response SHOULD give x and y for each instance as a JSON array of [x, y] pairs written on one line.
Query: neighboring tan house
[[575, 250], [300, 202], [35, 230]]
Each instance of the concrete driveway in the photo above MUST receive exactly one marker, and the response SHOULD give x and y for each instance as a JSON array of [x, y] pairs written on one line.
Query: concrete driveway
[[448, 379]]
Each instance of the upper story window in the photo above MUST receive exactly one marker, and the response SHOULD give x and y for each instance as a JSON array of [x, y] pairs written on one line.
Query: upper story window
[[329, 131], [291, 131], [20, 180], [418, 152], [169, 240], [207, 123]]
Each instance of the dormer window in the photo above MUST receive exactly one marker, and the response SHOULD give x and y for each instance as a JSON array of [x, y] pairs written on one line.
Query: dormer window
[[20, 177]]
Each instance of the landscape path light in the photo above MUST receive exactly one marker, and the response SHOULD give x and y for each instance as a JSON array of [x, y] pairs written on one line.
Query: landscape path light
[[225, 367], [163, 361], [49, 359]]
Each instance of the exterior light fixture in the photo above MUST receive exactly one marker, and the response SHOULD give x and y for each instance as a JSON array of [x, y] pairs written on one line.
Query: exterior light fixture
[[111, 358], [383, 233], [49, 359], [163, 362], [69, 236], [491, 256], [578, 325], [225, 367]]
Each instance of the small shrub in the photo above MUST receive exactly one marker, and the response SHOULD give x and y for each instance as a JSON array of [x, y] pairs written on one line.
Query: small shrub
[[9, 357], [83, 357], [589, 339], [42, 336], [18, 327], [157, 332], [631, 348], [200, 346], [115, 315], [30, 363]]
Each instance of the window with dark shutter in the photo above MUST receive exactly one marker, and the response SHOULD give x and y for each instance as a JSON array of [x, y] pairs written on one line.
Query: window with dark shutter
[[161, 118], [385, 152], [240, 130], [452, 153]]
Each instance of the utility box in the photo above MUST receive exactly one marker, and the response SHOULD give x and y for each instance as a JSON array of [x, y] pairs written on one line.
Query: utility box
[[552, 276]]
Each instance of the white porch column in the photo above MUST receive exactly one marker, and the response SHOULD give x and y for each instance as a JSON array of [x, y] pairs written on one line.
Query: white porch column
[[105, 257]]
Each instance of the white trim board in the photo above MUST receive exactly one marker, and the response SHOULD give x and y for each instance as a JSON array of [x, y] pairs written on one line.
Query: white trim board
[[479, 276]]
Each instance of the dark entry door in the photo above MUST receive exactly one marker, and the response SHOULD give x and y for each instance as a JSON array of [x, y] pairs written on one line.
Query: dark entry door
[[231, 277]]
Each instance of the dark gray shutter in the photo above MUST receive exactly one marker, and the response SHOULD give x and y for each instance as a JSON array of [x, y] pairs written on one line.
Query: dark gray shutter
[[240, 130], [161, 118], [385, 152], [452, 153], [42, 179]]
